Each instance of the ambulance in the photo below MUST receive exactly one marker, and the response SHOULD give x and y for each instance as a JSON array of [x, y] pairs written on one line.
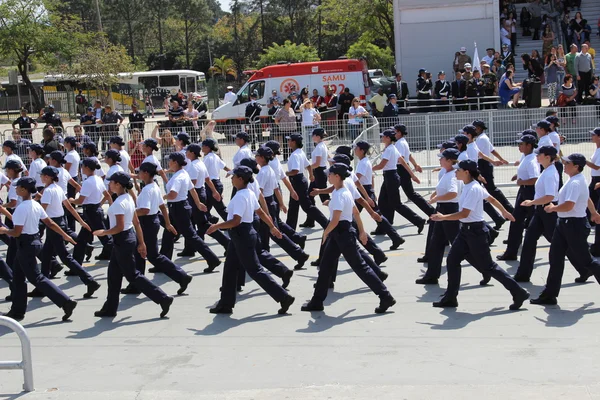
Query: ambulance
[[292, 78]]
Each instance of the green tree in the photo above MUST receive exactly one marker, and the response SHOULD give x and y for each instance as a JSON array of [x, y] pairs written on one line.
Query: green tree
[[376, 56], [288, 51], [224, 66]]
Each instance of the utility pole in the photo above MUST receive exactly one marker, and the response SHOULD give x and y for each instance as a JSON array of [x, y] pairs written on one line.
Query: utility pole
[[99, 16]]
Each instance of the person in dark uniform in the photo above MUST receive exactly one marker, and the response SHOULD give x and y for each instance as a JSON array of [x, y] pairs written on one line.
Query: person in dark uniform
[[340, 238], [319, 157], [474, 90], [391, 108], [26, 220], [400, 89], [136, 118], [242, 248], [214, 164], [51, 118], [88, 121], [26, 124], [441, 92], [459, 92], [125, 228], [252, 113], [80, 102], [424, 86], [473, 239], [526, 177], [572, 230], [297, 163]]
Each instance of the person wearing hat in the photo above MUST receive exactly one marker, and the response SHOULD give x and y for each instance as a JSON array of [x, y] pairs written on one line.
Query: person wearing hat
[[340, 238], [109, 124], [180, 213], [473, 239], [125, 228], [92, 195], [67, 183], [319, 157], [117, 143], [88, 122], [8, 148], [557, 140], [441, 92], [26, 124], [182, 140], [214, 164], [490, 87], [424, 86], [90, 152], [274, 99], [136, 118], [391, 108], [51, 118], [571, 231], [200, 219], [252, 113], [507, 56], [230, 96], [297, 163], [241, 254], [149, 203], [26, 219], [112, 159], [149, 146], [460, 59], [36, 153], [594, 164], [526, 177], [468, 74], [13, 169], [244, 151]]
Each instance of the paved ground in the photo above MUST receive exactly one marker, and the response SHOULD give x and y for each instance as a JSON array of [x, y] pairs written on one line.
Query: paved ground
[[479, 351]]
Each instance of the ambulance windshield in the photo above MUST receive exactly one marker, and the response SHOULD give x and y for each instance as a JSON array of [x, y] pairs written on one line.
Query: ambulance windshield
[[244, 94]]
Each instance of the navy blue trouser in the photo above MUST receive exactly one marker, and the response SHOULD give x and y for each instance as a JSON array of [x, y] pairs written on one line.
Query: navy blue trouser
[[409, 190], [570, 235], [594, 196], [26, 267], [522, 216], [342, 241], [442, 233], [211, 203], [286, 243], [71, 192], [383, 226], [122, 264], [390, 202], [320, 182], [180, 214], [284, 227], [241, 254], [150, 225], [473, 241], [487, 172], [201, 223], [300, 185], [94, 217]]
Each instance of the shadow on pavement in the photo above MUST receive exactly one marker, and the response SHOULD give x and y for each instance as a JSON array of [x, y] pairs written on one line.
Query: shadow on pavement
[[323, 322], [222, 323], [108, 324], [458, 320], [560, 318]]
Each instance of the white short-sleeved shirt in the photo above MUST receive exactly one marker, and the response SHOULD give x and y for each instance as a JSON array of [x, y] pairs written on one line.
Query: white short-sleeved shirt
[[351, 186], [63, 179], [151, 198], [97, 172], [113, 168], [153, 160], [320, 151], [3, 179], [267, 180], [35, 171], [575, 190], [28, 215], [596, 160], [403, 148], [276, 167], [529, 168], [124, 163], [54, 196], [123, 205], [93, 190], [180, 183], [484, 144], [73, 158], [298, 161], [472, 151], [472, 198], [547, 183], [243, 152], [244, 204], [16, 158], [545, 141], [365, 169], [555, 139], [391, 154], [254, 187], [12, 192], [462, 156], [341, 200], [213, 164], [448, 184], [197, 171]]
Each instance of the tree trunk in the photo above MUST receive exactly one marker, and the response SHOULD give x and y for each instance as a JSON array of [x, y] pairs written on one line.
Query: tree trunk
[[22, 68], [187, 43], [160, 38], [130, 33], [262, 24]]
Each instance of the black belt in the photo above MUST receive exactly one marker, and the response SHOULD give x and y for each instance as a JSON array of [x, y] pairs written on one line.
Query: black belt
[[90, 206], [572, 219], [391, 171], [472, 225], [320, 168], [174, 203]]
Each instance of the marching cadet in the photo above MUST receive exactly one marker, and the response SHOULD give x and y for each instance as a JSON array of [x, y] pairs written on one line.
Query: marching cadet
[[442, 92], [72, 160], [242, 248], [8, 148], [26, 220], [297, 163], [149, 203], [91, 196], [213, 165], [473, 238], [180, 213], [124, 229], [319, 157], [389, 195], [572, 230], [112, 158], [90, 152], [36, 152], [241, 141], [594, 164], [117, 143], [149, 146], [340, 238], [555, 138], [527, 174]]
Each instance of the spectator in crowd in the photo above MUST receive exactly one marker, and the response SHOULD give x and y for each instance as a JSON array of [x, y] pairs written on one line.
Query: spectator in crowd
[[424, 86], [378, 102], [229, 97], [275, 106], [191, 116], [489, 57], [285, 121], [460, 59], [274, 97], [567, 98], [136, 118], [459, 91], [134, 148], [505, 34], [49, 142], [252, 113], [441, 92], [547, 40], [26, 124], [565, 23], [111, 121], [345, 102], [356, 116], [512, 20], [577, 26], [149, 107], [593, 95], [316, 99], [490, 85], [525, 19], [80, 138], [176, 117], [166, 141], [202, 108], [499, 69], [592, 53], [400, 89], [551, 69], [21, 145], [88, 121], [535, 70], [561, 62], [570, 60], [535, 9], [295, 102], [391, 108], [585, 70], [507, 56], [81, 102], [98, 110], [304, 95], [331, 99], [509, 90], [598, 33], [474, 90], [51, 118], [310, 116], [535, 55]]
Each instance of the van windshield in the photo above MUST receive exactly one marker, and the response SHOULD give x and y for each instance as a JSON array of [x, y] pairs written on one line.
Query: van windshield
[[244, 94]]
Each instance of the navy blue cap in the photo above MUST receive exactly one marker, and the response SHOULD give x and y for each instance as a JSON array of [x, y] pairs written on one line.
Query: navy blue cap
[[341, 159], [401, 128], [448, 144], [469, 129], [178, 158], [50, 106], [361, 144], [250, 163], [13, 164], [90, 109], [149, 167], [274, 145], [528, 132], [121, 178], [449, 154], [27, 183], [480, 124], [113, 155], [339, 169], [58, 156], [91, 146], [50, 171], [346, 150], [210, 143], [547, 150], [71, 140], [318, 132], [421, 70], [544, 125], [467, 165], [596, 132], [37, 148], [265, 151], [389, 133], [295, 138], [10, 144], [242, 135], [117, 140], [461, 138], [391, 96], [553, 119], [576, 158], [152, 143], [184, 137], [195, 148], [243, 172], [532, 140], [90, 163]]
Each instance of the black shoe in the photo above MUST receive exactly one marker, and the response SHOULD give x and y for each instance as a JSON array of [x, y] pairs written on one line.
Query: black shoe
[[131, 289], [186, 254], [421, 226], [104, 313], [89, 249], [384, 304], [211, 268], [307, 225], [184, 284], [91, 289], [55, 270], [36, 293], [221, 309], [506, 257], [286, 278], [493, 235], [505, 241], [156, 270], [377, 232], [498, 225], [213, 220], [544, 300], [8, 298], [381, 260], [70, 273], [446, 302], [301, 242], [521, 278], [426, 281], [423, 259], [68, 309], [285, 305], [312, 306], [301, 261], [519, 300], [16, 317], [316, 262], [382, 276], [486, 279], [101, 257], [166, 305], [583, 278], [397, 244], [176, 238]]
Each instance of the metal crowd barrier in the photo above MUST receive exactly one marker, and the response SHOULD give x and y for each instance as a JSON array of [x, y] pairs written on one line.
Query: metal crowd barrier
[[26, 363], [466, 104]]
